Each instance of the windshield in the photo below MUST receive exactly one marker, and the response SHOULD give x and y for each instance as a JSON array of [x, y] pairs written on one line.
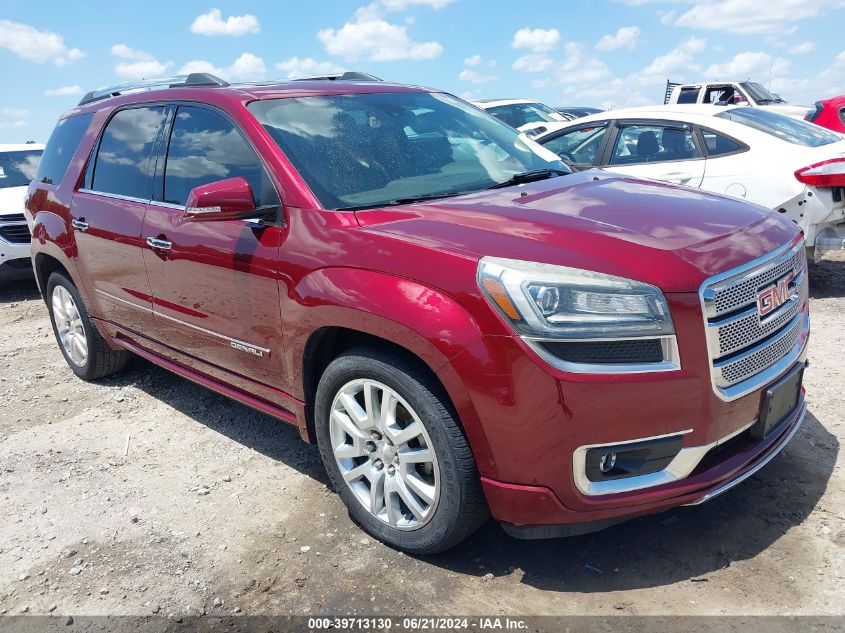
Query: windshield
[[760, 94], [370, 150], [781, 126], [519, 114], [18, 168]]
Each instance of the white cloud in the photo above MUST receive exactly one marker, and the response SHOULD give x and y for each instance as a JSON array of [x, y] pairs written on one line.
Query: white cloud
[[247, 67], [626, 37], [64, 91], [474, 77], [369, 37], [748, 64], [804, 47], [537, 40], [33, 45], [13, 118], [745, 17], [401, 5], [139, 64], [533, 63], [307, 67], [212, 23], [475, 60]]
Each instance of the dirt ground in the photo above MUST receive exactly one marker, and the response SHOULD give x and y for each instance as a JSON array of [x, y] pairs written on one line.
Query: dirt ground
[[218, 509]]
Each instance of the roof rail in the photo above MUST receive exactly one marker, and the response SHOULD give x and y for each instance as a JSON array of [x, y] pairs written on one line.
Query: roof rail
[[349, 75], [177, 81]]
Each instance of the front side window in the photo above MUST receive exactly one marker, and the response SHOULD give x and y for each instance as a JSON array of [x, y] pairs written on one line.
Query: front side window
[[122, 165], [369, 150], [578, 146], [781, 126], [61, 147], [204, 147], [652, 143], [18, 168], [520, 114]]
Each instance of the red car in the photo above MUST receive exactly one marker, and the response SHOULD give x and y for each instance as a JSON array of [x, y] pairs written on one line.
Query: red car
[[461, 324], [829, 113]]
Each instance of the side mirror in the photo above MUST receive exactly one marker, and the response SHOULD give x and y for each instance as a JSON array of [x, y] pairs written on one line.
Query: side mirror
[[227, 199]]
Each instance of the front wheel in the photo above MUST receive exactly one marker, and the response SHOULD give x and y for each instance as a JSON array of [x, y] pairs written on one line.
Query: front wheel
[[395, 453]]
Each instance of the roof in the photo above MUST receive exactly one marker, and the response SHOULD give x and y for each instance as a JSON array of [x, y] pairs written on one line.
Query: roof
[[20, 147], [492, 103]]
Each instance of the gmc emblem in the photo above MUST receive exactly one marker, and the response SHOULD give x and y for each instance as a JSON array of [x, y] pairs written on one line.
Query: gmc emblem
[[771, 298]]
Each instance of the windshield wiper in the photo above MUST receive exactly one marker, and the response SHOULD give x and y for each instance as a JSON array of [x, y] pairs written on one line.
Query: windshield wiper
[[408, 200], [530, 176]]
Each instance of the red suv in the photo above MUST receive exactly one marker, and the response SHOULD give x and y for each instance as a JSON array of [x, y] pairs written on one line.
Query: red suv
[[462, 324]]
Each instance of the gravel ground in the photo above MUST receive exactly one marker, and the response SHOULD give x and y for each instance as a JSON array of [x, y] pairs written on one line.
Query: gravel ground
[[218, 509]]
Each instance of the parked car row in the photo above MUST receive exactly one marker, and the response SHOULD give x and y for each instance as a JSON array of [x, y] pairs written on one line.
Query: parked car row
[[449, 311]]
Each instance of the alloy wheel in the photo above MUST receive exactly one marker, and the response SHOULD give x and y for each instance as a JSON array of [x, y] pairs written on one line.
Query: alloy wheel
[[69, 326]]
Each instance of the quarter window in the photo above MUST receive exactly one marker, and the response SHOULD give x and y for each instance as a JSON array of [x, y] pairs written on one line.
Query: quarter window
[[578, 146], [718, 144], [205, 147], [60, 148], [122, 166], [652, 143]]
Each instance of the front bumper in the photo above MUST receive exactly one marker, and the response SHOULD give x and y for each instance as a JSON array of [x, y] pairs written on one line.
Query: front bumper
[[548, 518]]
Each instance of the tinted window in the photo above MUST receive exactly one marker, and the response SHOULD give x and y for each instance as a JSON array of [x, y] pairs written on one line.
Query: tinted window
[[368, 150], [652, 143], [578, 146], [520, 114], [123, 158], [60, 148], [18, 168], [783, 127], [688, 95], [205, 147], [718, 144]]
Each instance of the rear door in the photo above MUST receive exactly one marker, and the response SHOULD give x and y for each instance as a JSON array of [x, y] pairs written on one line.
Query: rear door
[[660, 150], [214, 283], [107, 215]]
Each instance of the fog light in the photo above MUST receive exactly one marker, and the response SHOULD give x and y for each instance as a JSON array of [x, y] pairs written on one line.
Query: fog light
[[606, 462]]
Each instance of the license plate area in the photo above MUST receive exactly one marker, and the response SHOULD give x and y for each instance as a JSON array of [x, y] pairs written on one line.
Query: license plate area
[[779, 401]]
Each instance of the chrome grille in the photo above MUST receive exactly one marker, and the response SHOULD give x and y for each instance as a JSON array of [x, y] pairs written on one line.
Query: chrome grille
[[747, 351]]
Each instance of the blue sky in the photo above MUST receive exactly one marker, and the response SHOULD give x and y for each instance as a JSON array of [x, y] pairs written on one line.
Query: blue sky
[[603, 53]]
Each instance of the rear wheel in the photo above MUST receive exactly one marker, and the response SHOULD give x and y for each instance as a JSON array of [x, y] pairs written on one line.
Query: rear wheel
[[395, 452], [85, 351]]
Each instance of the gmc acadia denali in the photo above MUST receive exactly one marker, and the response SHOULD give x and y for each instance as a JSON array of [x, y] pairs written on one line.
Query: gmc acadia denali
[[462, 324]]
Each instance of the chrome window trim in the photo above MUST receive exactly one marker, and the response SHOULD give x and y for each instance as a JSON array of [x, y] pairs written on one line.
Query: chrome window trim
[[738, 275], [180, 322], [671, 356], [114, 196], [680, 467]]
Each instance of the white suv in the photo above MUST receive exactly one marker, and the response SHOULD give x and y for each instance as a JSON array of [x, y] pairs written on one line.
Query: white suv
[[17, 168]]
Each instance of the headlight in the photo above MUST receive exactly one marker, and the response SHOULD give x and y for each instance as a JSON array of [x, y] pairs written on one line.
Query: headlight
[[582, 317]]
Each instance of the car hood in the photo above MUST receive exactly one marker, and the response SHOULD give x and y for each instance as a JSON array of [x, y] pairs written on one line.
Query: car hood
[[672, 237], [11, 200]]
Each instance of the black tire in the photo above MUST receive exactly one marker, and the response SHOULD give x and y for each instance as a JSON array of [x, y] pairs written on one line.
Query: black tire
[[461, 508], [101, 360]]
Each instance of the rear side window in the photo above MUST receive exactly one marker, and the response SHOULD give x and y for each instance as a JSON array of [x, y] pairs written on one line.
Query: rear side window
[[781, 126], [204, 147], [122, 166], [689, 95], [60, 148], [718, 144]]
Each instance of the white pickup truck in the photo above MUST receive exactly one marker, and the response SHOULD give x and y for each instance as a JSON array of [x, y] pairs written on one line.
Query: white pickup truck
[[747, 93]]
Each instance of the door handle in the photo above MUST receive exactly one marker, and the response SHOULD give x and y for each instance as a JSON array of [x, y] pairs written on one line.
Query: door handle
[[676, 176], [162, 245], [80, 224]]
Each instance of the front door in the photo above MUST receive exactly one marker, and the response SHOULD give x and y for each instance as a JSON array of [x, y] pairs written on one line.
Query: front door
[[214, 284], [660, 151], [107, 215]]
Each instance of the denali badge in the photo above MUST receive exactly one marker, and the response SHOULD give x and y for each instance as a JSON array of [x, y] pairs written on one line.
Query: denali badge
[[246, 348], [771, 298]]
